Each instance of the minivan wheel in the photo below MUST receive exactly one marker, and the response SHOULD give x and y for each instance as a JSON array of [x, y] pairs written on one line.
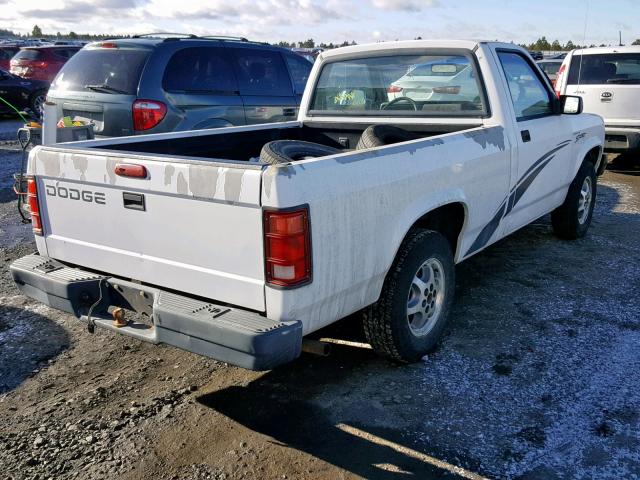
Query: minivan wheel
[[37, 102], [408, 319], [571, 220], [287, 151]]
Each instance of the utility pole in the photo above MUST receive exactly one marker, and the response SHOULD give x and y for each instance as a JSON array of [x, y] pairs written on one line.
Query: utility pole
[[620, 36]]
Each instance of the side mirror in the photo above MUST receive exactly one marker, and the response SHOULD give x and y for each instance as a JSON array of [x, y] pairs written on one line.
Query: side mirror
[[571, 105]]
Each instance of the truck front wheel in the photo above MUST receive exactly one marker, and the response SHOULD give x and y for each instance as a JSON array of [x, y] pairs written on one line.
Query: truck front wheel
[[571, 220], [408, 319]]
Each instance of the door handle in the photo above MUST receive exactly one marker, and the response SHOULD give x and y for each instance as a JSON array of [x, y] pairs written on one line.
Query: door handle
[[526, 136], [133, 201]]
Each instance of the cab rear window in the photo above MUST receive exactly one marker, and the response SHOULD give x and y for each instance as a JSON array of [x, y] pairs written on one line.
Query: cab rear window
[[116, 69], [433, 84], [608, 68]]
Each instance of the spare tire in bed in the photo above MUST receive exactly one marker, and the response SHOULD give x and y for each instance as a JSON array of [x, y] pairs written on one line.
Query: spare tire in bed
[[286, 151], [379, 135]]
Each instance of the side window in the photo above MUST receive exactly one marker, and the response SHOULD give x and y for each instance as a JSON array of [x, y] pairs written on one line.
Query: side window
[[261, 72], [529, 95], [300, 69], [204, 70]]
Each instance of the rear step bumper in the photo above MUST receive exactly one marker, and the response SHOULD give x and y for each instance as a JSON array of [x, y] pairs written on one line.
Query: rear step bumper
[[620, 140], [228, 334]]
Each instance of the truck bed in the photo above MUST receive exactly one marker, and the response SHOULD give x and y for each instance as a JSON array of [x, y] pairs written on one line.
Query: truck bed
[[245, 143]]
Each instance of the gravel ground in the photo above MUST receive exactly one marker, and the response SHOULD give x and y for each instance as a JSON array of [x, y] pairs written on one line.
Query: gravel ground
[[536, 379]]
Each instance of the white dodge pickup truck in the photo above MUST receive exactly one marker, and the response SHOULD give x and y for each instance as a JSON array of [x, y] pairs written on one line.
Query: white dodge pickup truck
[[237, 242]]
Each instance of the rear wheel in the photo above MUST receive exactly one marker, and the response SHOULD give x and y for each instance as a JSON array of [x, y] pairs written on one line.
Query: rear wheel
[[571, 220], [37, 102], [409, 317]]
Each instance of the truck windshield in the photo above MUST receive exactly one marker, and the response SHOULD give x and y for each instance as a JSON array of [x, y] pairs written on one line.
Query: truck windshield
[[605, 68], [400, 85], [114, 70]]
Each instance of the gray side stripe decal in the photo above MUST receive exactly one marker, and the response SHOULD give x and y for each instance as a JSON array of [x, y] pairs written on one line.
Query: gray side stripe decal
[[514, 196]]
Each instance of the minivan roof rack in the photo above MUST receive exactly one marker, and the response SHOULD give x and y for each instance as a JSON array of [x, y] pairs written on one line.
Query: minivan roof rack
[[170, 36], [224, 37], [164, 35]]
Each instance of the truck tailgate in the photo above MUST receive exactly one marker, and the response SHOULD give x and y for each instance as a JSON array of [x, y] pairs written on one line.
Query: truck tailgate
[[189, 225]]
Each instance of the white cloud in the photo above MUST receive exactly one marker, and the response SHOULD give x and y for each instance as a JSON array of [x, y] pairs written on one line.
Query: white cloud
[[404, 5]]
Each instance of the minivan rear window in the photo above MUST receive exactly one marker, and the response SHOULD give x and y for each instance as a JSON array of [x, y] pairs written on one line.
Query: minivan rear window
[[29, 55], [116, 69], [605, 68]]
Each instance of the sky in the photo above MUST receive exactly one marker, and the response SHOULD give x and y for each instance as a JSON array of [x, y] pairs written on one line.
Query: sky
[[336, 20]]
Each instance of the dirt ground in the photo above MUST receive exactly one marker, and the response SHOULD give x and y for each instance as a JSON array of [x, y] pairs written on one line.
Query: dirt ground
[[536, 378]]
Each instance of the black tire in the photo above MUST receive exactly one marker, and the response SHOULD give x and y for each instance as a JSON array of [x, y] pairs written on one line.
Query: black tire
[[379, 135], [387, 322], [604, 161], [571, 220], [287, 151], [36, 102]]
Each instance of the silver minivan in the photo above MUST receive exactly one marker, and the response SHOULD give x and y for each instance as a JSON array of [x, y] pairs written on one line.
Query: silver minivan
[[608, 80]]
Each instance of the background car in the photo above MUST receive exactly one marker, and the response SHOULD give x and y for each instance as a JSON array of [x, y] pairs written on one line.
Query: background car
[[21, 93], [309, 54], [417, 82], [150, 84], [6, 54], [41, 63], [608, 80], [550, 68], [536, 55]]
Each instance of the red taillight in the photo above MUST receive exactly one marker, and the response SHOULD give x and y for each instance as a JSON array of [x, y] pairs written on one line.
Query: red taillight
[[40, 64], [287, 243], [130, 170], [394, 89], [559, 79], [34, 209], [107, 45], [147, 114]]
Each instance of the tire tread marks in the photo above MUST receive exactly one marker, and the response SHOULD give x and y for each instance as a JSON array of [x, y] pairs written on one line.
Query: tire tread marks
[[377, 318]]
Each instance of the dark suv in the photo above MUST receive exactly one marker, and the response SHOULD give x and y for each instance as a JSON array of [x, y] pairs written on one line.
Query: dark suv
[[151, 85]]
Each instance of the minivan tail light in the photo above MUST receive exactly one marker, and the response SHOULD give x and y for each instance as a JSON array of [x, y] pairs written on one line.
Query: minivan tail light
[[147, 114], [287, 244], [394, 89], [34, 208]]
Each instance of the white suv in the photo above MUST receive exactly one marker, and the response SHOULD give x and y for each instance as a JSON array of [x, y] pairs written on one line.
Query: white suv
[[608, 80]]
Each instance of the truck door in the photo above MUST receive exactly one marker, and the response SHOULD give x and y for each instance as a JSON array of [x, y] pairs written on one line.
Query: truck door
[[544, 143]]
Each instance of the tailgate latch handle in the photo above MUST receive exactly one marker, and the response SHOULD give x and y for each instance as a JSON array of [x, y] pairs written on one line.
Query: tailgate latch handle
[[131, 170]]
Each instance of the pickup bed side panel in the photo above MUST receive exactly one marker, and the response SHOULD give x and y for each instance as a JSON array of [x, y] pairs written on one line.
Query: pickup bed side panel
[[192, 226], [362, 204]]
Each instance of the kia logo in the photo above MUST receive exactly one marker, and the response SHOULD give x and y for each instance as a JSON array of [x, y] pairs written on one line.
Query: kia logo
[[606, 94]]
